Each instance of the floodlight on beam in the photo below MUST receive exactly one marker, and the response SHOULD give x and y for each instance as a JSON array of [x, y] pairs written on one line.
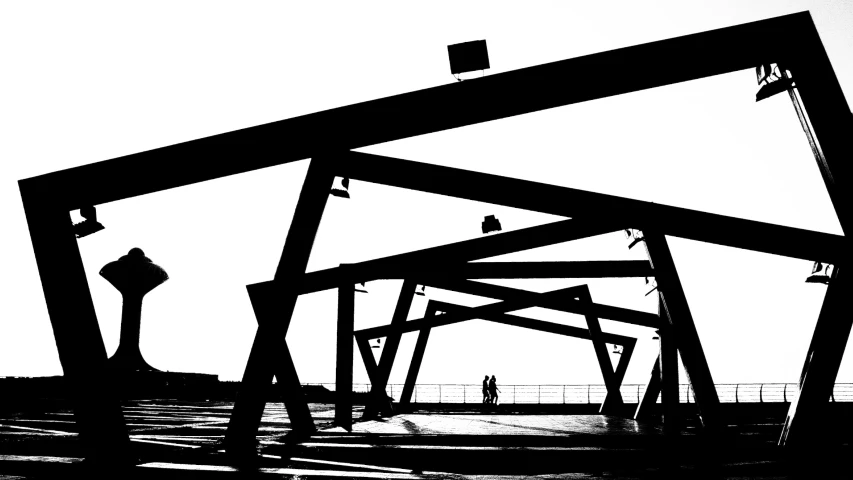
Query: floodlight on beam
[[422, 291], [635, 237], [817, 276], [88, 226], [491, 224], [342, 192], [772, 80], [364, 289], [468, 57]]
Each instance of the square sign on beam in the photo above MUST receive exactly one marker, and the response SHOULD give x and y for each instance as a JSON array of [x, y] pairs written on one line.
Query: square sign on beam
[[468, 56]]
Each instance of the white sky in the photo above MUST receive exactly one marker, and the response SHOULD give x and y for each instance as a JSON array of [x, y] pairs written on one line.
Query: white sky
[[97, 80]]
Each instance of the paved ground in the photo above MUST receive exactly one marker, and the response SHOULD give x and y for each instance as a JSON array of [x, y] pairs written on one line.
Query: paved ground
[[173, 439], [547, 425]]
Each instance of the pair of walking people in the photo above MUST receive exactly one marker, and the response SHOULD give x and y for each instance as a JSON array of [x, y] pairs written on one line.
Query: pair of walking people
[[490, 390]]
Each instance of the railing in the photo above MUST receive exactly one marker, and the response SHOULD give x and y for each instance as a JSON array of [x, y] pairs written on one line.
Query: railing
[[575, 394]]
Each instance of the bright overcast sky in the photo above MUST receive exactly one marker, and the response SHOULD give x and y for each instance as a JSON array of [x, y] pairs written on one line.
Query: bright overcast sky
[[90, 81]]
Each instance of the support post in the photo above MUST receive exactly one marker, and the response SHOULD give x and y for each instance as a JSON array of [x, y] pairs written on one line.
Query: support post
[[803, 423], [266, 311], [682, 331], [76, 332], [367, 357], [415, 366], [650, 396], [343, 364], [389, 351], [249, 407], [668, 368], [613, 400]]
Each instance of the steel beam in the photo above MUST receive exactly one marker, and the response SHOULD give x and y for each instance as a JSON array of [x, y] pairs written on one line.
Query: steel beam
[[343, 357], [367, 358], [829, 115], [439, 108], [267, 311], [81, 350], [476, 312], [417, 359], [650, 396], [389, 352], [270, 336], [568, 305], [570, 202], [804, 425], [682, 330], [402, 265], [613, 399], [668, 368], [530, 323]]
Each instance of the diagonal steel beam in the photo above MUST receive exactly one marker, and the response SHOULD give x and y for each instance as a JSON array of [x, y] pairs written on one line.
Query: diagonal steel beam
[[650, 396], [400, 266], [278, 302], [570, 202], [531, 323], [417, 359], [476, 312], [438, 108], [568, 305], [806, 414], [389, 352], [682, 330]]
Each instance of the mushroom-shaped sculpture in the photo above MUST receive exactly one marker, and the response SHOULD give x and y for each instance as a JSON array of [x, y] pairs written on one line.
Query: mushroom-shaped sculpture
[[133, 275]]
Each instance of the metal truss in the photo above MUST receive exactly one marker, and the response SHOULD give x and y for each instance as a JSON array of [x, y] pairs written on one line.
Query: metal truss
[[791, 40]]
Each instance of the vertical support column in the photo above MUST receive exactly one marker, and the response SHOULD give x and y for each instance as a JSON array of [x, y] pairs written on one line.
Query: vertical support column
[[76, 331], [389, 351], [804, 421], [251, 400], [613, 400], [668, 368], [343, 364], [650, 396], [417, 358], [683, 332]]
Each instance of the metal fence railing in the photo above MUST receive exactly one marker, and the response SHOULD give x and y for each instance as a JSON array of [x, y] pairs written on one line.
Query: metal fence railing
[[576, 394]]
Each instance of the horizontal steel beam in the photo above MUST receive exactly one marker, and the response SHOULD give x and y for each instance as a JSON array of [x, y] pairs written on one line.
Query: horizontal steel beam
[[580, 205], [425, 111], [568, 305]]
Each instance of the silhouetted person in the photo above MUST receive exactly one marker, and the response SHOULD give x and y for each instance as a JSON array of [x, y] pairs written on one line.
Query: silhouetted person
[[486, 397], [493, 390], [133, 275]]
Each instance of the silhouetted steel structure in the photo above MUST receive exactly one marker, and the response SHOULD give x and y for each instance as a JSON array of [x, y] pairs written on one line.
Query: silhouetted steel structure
[[329, 137]]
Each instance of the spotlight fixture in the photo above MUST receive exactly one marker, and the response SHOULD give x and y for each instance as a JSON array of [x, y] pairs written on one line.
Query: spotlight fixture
[[816, 276], [341, 192], [88, 226], [616, 349], [772, 79], [491, 224], [421, 293], [654, 286], [634, 235], [378, 343], [468, 57], [363, 287]]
